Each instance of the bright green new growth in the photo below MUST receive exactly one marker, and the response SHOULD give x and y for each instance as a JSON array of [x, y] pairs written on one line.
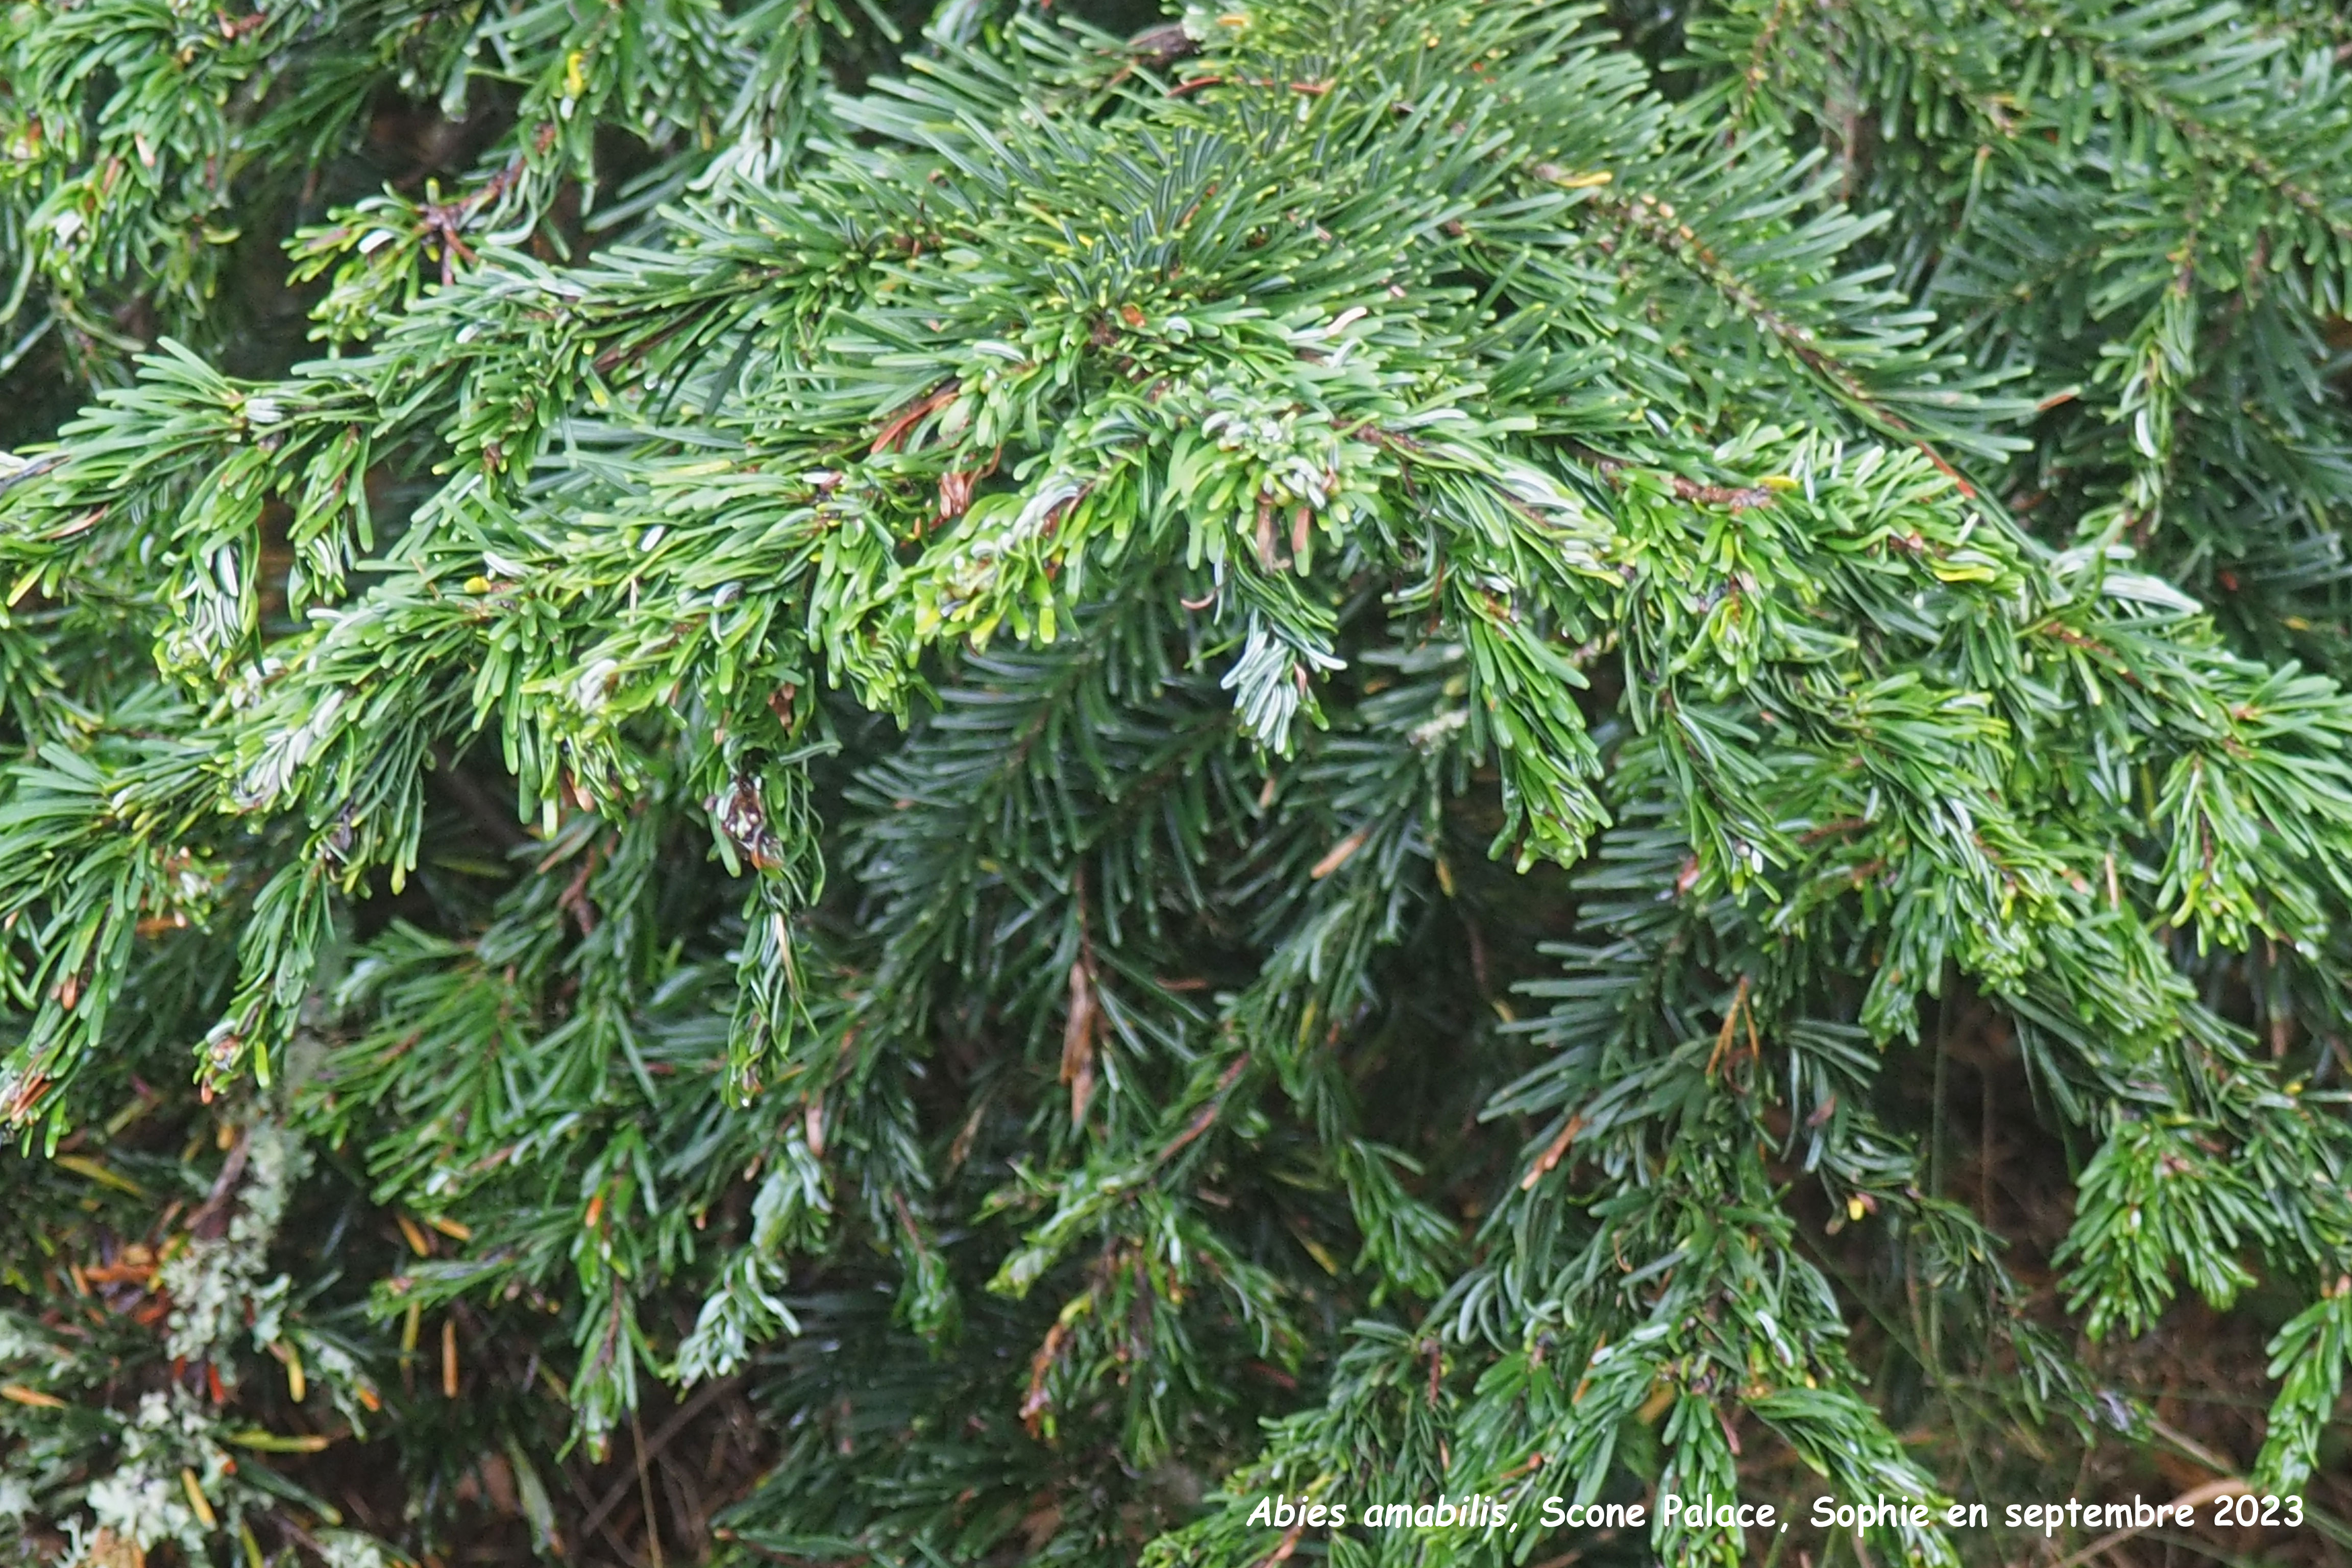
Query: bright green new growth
[[1040, 619]]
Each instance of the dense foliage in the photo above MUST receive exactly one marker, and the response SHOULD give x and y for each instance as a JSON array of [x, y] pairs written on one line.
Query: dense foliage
[[1046, 775]]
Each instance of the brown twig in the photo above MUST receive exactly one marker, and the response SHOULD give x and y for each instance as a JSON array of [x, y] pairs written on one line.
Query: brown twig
[[597, 1522], [223, 1187], [646, 1489], [704, 1397], [2192, 1498]]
